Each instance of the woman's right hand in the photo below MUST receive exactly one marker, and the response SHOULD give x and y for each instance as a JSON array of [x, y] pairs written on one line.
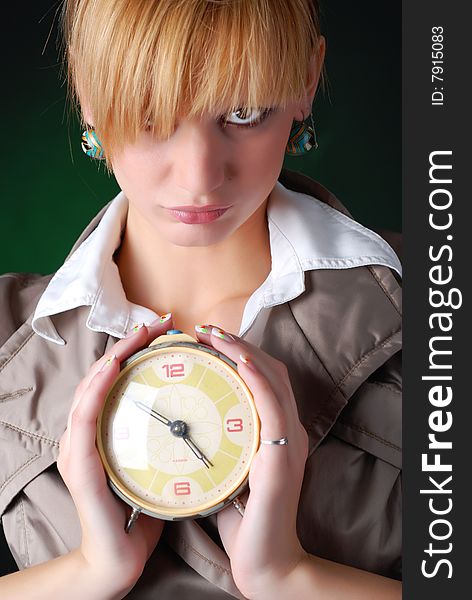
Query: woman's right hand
[[105, 547]]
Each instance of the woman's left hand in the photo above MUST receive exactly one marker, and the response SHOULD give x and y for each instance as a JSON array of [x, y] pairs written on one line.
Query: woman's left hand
[[263, 546]]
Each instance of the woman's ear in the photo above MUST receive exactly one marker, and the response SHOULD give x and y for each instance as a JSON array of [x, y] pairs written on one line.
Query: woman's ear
[[87, 113], [85, 107], [316, 68], [314, 72]]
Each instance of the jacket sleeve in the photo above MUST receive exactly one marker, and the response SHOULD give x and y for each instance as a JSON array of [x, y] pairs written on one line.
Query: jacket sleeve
[[357, 517], [19, 293]]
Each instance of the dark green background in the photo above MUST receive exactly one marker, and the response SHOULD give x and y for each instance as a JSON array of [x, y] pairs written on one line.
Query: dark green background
[[51, 190]]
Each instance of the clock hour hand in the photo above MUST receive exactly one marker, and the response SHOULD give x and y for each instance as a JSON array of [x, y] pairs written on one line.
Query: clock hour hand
[[153, 413], [177, 428], [196, 450]]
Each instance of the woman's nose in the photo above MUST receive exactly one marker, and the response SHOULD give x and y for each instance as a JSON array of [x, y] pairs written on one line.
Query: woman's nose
[[199, 158]]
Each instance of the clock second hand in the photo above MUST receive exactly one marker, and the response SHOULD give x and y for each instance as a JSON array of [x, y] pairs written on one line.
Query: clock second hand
[[179, 430]]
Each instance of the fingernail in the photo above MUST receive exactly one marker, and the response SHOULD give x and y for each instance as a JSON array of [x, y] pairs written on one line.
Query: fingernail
[[136, 327], [108, 362], [162, 319], [202, 328], [223, 335], [247, 361]]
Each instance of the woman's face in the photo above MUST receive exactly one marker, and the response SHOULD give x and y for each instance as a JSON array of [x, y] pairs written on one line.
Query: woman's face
[[232, 164]]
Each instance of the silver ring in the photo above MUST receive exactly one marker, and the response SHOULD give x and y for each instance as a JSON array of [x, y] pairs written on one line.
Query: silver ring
[[281, 442], [239, 506]]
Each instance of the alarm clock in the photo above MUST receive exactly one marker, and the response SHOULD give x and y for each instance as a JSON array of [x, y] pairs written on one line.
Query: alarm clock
[[178, 430]]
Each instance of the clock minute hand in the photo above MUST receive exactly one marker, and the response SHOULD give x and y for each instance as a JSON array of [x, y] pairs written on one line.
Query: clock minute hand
[[178, 428], [153, 413], [196, 450]]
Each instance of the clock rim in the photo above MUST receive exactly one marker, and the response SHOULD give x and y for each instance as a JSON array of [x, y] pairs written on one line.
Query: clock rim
[[177, 513], [177, 517]]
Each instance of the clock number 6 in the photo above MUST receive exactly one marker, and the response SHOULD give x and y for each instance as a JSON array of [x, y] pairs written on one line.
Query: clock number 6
[[182, 488], [233, 425]]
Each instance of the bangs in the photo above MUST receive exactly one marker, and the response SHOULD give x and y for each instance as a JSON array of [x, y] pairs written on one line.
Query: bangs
[[135, 63]]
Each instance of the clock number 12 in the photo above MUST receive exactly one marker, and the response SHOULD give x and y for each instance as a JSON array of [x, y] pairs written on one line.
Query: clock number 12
[[174, 370]]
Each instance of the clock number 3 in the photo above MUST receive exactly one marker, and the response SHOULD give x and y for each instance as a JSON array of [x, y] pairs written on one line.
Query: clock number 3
[[174, 370], [233, 425], [182, 488]]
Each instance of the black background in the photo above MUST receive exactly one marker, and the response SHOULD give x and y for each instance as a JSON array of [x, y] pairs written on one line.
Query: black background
[[426, 129]]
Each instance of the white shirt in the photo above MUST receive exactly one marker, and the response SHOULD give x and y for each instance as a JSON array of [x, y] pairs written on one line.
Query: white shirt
[[304, 234]]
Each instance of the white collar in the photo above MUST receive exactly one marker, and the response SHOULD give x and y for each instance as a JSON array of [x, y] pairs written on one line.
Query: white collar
[[304, 234]]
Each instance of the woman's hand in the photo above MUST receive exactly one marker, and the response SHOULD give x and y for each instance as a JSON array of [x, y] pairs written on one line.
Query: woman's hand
[[263, 545], [106, 548]]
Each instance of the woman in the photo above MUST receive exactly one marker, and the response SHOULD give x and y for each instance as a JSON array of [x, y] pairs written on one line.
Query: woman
[[192, 104]]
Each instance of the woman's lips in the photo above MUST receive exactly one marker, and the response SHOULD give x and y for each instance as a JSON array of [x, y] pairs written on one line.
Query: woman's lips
[[196, 215]]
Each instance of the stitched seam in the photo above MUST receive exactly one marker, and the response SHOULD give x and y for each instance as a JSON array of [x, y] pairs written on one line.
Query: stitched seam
[[17, 394], [207, 560], [372, 435], [16, 351], [360, 361], [357, 227], [309, 345], [25, 535], [386, 386], [36, 436], [20, 468], [384, 289], [297, 259]]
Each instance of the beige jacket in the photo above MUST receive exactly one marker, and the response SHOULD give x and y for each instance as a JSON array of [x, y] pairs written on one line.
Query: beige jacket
[[341, 342]]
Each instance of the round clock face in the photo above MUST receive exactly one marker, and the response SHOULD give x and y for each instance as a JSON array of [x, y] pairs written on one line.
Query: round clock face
[[178, 431]]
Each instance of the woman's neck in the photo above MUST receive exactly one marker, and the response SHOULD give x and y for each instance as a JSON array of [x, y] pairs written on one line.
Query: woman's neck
[[191, 281]]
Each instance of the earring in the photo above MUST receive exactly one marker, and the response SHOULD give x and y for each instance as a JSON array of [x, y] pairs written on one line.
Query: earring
[[91, 145], [302, 138]]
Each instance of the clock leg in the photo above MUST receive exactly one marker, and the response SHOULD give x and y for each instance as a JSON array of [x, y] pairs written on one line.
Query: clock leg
[[239, 506], [132, 519]]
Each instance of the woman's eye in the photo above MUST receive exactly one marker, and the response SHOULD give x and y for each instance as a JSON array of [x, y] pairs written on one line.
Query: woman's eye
[[239, 118], [244, 118]]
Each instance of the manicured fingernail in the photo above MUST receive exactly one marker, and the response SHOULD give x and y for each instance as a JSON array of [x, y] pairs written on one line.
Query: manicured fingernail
[[162, 319], [108, 362], [136, 327], [202, 328], [223, 335], [247, 361]]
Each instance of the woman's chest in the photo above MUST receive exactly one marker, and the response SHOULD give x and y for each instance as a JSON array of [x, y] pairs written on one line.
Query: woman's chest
[[227, 315]]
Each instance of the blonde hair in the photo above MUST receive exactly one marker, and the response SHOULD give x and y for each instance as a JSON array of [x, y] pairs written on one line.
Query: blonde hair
[[137, 61]]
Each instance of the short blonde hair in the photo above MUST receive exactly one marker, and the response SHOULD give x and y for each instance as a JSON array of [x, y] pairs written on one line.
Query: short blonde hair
[[141, 61]]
